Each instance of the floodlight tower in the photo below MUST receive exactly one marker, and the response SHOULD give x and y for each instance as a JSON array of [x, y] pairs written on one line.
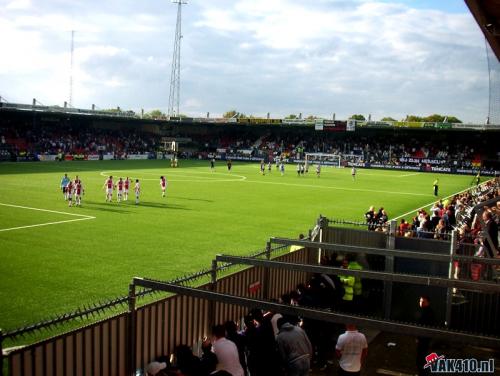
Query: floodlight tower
[[70, 101], [175, 76]]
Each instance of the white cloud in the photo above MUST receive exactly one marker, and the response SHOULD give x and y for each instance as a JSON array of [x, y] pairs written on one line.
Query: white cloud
[[18, 4], [281, 56]]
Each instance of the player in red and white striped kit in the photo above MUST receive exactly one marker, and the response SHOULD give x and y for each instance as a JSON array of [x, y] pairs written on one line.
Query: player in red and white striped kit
[[108, 186], [78, 189], [119, 190], [126, 185], [69, 190], [163, 185]]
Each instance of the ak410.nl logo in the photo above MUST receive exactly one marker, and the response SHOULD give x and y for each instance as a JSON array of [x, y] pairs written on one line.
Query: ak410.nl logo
[[440, 364]]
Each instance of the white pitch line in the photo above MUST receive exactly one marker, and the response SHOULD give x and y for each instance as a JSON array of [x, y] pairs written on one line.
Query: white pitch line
[[336, 188], [49, 211], [46, 224], [429, 204], [405, 175], [179, 176]]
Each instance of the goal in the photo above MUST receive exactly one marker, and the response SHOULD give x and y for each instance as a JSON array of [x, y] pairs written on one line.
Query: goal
[[352, 159], [324, 159], [170, 146]]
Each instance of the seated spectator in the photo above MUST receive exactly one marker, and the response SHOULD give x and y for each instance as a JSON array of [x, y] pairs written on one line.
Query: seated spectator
[[403, 227], [440, 230]]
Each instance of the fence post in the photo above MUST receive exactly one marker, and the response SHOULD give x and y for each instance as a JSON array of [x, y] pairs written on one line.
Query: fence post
[[323, 224], [389, 268], [213, 287], [265, 292], [449, 293], [132, 331]]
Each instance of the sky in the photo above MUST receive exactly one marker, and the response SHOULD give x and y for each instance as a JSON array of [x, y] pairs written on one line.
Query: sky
[[384, 58]]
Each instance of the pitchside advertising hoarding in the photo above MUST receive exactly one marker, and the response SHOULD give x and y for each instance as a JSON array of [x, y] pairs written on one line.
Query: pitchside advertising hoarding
[[330, 125], [426, 168]]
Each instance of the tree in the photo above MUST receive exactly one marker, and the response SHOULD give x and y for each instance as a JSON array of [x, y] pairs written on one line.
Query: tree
[[387, 118], [155, 114], [233, 114], [291, 116], [453, 119], [312, 117], [357, 117], [435, 118], [414, 118]]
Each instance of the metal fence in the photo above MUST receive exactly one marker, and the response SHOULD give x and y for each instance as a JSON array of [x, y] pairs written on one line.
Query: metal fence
[[127, 341], [121, 344]]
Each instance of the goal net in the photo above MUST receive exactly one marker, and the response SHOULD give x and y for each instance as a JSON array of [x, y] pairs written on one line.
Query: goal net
[[170, 146], [323, 159], [352, 159]]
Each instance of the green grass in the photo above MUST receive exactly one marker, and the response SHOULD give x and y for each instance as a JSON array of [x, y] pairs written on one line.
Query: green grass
[[55, 268]]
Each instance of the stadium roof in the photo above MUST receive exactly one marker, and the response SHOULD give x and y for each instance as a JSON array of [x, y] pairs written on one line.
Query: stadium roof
[[487, 15]]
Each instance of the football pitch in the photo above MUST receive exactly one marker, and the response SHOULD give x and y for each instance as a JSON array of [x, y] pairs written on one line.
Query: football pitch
[[55, 258]]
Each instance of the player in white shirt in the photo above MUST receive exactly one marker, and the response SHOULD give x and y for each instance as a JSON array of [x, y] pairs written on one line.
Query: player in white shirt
[[353, 173], [318, 170], [163, 185], [108, 186], [282, 168], [137, 190]]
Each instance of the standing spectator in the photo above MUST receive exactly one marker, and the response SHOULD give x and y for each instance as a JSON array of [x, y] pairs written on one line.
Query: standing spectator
[[370, 218], [425, 316], [227, 352], [348, 282], [351, 349], [295, 348], [239, 340], [491, 228], [188, 363]]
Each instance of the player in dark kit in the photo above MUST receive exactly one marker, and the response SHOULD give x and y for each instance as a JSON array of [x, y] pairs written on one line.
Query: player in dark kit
[[229, 165], [436, 187]]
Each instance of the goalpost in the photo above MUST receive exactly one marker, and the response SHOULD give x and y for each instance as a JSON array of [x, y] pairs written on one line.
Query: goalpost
[[171, 147], [323, 159], [355, 159]]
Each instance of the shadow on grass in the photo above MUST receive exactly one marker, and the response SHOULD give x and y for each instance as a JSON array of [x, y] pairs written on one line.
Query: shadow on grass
[[190, 199], [112, 207], [166, 205]]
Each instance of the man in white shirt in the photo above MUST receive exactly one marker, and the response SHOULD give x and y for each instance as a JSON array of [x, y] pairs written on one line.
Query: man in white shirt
[[226, 351], [351, 349]]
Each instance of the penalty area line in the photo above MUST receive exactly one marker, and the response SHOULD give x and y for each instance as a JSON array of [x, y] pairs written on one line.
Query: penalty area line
[[48, 211], [46, 224], [82, 217]]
